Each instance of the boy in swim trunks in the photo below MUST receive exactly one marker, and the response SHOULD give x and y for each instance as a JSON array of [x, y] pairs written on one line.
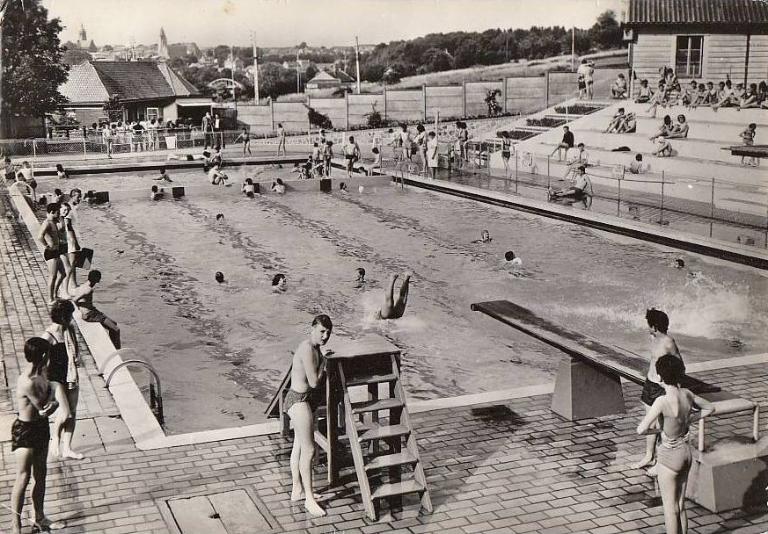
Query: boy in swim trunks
[[48, 236], [662, 343], [30, 434], [307, 374], [83, 299]]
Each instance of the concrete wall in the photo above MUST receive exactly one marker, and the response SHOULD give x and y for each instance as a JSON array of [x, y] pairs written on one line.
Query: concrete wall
[[448, 100], [526, 95], [405, 105], [362, 105], [476, 93], [523, 95]]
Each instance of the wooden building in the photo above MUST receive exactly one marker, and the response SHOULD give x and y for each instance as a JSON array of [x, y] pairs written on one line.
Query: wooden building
[[701, 39], [144, 89]]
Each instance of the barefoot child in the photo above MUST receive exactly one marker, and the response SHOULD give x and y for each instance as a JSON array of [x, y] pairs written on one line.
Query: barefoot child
[[307, 373], [63, 359], [748, 137], [30, 434]]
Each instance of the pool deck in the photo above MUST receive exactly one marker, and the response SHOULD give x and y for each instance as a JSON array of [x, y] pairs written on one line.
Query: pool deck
[[510, 465]]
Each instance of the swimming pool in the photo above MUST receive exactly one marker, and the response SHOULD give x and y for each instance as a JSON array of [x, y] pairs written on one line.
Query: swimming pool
[[222, 349]]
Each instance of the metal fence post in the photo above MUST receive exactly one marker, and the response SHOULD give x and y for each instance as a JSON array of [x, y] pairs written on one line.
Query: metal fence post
[[712, 208], [34, 151], [517, 155], [85, 148], [549, 180], [661, 215], [618, 200]]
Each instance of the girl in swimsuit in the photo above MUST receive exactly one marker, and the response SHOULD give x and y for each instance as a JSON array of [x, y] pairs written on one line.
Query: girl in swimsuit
[[673, 412], [62, 369], [69, 246], [307, 373]]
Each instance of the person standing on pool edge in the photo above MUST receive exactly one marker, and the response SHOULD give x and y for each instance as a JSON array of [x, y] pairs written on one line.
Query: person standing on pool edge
[[280, 139], [307, 373], [662, 343], [48, 236]]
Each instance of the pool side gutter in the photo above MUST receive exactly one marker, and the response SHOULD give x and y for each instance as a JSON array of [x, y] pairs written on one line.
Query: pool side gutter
[[664, 236]]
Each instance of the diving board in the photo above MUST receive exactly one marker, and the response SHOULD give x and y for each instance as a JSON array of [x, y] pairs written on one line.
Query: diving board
[[589, 384], [750, 151]]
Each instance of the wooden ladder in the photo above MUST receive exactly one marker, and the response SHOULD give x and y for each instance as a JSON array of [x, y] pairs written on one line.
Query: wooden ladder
[[385, 469]]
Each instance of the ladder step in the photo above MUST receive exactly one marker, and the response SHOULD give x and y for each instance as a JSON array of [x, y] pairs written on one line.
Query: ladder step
[[377, 378], [383, 432], [391, 460], [376, 405], [398, 488]]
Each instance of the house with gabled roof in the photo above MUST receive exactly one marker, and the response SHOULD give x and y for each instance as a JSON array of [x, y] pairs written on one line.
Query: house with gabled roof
[[327, 80], [143, 89], [700, 39]]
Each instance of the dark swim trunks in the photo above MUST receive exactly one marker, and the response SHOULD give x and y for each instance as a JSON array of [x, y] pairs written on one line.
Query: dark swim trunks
[[651, 392], [30, 434], [293, 397], [51, 253]]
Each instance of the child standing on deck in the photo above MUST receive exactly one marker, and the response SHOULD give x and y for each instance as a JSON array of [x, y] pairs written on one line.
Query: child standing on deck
[[246, 138], [748, 136], [30, 434]]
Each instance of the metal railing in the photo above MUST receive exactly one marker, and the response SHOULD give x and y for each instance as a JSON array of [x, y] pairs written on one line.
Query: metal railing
[[155, 388]]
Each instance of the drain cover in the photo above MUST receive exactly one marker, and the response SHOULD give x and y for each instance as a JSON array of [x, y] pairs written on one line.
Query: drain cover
[[231, 512]]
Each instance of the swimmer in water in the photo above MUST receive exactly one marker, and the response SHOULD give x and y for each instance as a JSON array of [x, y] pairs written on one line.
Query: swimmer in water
[[485, 237], [679, 263], [343, 188], [391, 308], [249, 189], [278, 283], [219, 217], [163, 176], [219, 277], [360, 281], [156, 194], [511, 259]]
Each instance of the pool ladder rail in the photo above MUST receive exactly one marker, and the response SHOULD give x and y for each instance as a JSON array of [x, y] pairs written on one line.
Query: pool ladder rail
[[155, 388]]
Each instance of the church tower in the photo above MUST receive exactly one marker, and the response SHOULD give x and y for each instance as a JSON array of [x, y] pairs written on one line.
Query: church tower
[[162, 47], [82, 40]]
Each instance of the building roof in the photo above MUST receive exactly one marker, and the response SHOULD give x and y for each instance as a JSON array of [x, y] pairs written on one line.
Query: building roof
[[343, 77], [96, 81], [322, 76], [709, 12]]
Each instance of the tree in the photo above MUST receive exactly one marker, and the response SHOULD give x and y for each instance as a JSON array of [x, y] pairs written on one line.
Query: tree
[[31, 61], [606, 32], [436, 60], [114, 109], [318, 119], [311, 72]]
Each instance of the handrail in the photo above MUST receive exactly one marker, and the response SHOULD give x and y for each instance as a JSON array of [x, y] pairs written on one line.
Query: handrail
[[155, 399]]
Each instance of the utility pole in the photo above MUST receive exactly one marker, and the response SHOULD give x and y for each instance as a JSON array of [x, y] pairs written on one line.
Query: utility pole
[[255, 69], [3, 7], [573, 48], [232, 73], [357, 63], [298, 73]]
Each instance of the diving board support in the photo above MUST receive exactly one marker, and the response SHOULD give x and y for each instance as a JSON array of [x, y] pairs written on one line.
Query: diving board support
[[582, 391]]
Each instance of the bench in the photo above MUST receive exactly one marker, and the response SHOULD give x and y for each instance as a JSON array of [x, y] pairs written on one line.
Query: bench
[[588, 385]]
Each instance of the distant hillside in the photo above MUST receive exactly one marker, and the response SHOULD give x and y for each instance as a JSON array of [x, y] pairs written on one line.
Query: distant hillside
[[439, 52]]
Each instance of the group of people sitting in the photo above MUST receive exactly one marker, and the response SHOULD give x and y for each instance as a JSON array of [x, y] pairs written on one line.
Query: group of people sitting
[[670, 92]]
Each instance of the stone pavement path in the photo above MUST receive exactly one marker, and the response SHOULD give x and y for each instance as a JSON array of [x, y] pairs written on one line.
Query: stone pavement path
[[508, 468]]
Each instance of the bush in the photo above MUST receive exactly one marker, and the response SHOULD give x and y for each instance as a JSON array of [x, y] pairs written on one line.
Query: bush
[[546, 122], [374, 118], [318, 119]]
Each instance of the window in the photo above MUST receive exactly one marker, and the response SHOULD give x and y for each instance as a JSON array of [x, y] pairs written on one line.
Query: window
[[153, 113], [688, 55]]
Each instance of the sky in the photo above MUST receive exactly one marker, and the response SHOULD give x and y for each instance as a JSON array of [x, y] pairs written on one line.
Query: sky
[[318, 22]]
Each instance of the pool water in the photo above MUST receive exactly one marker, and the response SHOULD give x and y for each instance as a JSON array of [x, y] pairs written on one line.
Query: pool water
[[222, 349]]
